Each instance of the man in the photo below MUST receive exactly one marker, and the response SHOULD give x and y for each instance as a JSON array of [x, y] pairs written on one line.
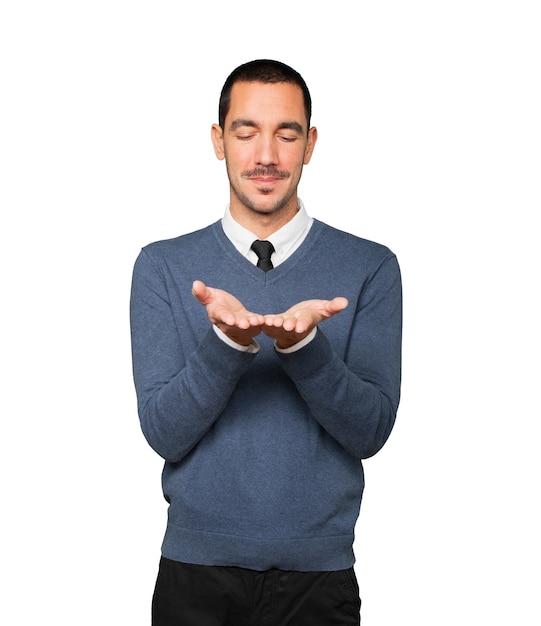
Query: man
[[264, 382]]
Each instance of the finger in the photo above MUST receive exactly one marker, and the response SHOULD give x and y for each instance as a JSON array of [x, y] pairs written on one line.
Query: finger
[[243, 323], [291, 323], [256, 320], [276, 321], [201, 292], [198, 288], [338, 304], [301, 325]]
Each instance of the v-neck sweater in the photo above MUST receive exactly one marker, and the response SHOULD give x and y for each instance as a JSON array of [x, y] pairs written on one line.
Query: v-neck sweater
[[263, 451]]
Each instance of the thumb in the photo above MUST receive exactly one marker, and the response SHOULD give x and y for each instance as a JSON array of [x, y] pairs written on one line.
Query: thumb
[[338, 304], [201, 292]]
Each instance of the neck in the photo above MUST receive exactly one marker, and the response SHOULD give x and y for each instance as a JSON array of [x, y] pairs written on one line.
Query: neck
[[262, 223]]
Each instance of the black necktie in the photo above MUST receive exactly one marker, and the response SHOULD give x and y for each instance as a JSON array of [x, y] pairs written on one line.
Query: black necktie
[[263, 249]]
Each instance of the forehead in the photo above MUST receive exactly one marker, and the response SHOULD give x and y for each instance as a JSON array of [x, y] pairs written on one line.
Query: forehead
[[267, 102]]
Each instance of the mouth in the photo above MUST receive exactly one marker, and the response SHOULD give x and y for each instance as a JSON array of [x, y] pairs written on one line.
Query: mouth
[[265, 180]]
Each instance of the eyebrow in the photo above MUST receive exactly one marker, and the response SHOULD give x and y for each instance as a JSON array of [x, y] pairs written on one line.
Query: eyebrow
[[239, 123], [291, 126]]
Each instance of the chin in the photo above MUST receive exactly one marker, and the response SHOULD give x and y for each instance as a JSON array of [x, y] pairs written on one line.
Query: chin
[[265, 202], [263, 205]]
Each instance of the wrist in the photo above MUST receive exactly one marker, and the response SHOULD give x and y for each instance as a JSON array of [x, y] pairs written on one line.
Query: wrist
[[294, 346]]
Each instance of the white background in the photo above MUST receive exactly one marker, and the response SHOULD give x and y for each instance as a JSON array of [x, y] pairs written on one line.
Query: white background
[[429, 125]]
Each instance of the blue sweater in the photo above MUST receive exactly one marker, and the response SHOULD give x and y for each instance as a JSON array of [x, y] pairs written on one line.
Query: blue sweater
[[263, 451]]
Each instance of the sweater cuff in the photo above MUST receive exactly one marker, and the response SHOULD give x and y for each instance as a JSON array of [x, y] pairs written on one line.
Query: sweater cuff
[[219, 357], [305, 362]]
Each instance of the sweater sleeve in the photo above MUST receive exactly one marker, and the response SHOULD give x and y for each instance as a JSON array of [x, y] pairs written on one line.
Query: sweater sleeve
[[355, 398], [180, 392]]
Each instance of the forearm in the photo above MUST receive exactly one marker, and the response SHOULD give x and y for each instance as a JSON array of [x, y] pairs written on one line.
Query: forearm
[[177, 413], [356, 411], [183, 373]]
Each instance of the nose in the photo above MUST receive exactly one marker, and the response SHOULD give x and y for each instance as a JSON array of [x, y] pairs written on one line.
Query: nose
[[266, 153]]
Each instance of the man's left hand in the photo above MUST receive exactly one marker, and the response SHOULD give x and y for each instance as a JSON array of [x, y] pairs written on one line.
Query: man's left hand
[[296, 323]]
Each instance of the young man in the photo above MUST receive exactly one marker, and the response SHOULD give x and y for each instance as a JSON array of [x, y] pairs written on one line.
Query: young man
[[263, 382]]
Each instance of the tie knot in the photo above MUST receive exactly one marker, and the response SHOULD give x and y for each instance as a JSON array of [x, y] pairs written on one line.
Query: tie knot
[[263, 249]]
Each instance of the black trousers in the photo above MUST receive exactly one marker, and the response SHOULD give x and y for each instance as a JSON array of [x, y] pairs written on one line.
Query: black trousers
[[198, 595]]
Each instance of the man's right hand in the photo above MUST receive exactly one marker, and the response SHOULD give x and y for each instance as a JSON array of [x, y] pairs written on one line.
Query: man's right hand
[[228, 314]]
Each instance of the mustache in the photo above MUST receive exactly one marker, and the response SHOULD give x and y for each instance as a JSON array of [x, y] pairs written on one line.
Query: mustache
[[271, 172]]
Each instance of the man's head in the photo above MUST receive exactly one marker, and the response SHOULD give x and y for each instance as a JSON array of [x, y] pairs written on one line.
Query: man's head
[[263, 71], [265, 138]]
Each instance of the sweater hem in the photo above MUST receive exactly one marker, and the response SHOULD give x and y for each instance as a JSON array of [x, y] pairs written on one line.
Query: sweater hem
[[203, 548]]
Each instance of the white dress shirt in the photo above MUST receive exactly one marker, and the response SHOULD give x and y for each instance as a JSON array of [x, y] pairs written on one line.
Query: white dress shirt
[[285, 240]]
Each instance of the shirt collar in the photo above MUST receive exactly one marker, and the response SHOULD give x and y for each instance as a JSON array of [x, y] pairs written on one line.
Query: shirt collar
[[285, 240]]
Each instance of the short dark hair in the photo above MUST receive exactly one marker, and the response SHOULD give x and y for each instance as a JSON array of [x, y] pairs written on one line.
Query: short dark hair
[[263, 71]]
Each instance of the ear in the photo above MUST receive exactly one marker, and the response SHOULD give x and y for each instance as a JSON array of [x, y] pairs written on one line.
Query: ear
[[217, 137], [312, 138]]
